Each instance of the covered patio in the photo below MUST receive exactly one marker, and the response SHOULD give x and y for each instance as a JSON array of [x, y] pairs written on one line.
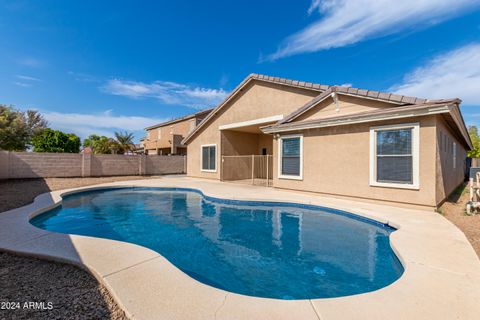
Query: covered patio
[[246, 152]]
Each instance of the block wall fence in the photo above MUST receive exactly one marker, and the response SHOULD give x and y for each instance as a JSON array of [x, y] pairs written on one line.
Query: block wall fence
[[18, 165]]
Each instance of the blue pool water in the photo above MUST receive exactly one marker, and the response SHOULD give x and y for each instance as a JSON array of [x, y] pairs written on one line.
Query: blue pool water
[[284, 251]]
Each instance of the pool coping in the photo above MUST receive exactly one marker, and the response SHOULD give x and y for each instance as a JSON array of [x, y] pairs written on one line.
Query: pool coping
[[441, 278]]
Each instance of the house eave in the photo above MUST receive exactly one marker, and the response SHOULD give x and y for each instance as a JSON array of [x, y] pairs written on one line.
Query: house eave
[[324, 123]]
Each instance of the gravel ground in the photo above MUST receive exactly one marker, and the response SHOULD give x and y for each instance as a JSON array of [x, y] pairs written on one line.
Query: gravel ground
[[19, 192], [454, 210], [74, 293]]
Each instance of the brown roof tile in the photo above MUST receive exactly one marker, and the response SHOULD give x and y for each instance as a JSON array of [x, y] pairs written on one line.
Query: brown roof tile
[[396, 97], [384, 96], [323, 90]]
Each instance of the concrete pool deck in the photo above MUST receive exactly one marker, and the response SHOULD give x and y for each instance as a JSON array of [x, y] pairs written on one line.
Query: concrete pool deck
[[441, 278]]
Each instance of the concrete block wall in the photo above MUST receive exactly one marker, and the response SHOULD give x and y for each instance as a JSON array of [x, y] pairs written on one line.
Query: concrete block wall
[[115, 165], [16, 165], [31, 165], [165, 164]]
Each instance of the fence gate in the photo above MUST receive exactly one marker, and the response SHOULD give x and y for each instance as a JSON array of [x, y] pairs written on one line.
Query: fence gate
[[251, 169]]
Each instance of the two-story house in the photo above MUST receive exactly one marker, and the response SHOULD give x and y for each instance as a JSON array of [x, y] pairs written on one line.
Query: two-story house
[[166, 138]]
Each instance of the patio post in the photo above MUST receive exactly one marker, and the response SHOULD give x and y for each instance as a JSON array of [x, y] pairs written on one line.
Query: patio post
[[253, 167]]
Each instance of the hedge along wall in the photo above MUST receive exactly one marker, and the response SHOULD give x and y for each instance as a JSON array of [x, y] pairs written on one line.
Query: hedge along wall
[[15, 165]]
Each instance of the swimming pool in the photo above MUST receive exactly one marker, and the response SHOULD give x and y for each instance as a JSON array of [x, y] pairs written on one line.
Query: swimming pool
[[274, 250]]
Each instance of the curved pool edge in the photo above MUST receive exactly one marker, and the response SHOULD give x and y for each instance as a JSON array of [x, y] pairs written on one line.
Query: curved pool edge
[[130, 272]]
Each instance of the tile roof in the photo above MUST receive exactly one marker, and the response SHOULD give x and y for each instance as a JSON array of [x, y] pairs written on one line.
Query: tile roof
[[289, 82], [396, 110], [322, 89], [370, 94], [429, 107]]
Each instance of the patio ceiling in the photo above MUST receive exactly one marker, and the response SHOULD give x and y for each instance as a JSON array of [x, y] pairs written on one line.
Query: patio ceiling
[[251, 126]]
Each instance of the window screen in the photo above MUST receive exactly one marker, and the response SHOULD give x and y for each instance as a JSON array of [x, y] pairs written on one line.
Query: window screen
[[291, 156], [394, 156], [208, 157]]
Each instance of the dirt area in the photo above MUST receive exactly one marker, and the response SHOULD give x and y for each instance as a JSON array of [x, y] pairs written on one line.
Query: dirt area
[[454, 210], [73, 292], [19, 192], [70, 292]]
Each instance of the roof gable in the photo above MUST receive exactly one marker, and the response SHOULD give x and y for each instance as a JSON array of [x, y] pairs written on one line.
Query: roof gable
[[318, 88], [401, 105], [448, 108], [333, 91]]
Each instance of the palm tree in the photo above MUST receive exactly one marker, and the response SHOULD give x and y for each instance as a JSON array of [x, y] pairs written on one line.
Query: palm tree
[[104, 145], [124, 142]]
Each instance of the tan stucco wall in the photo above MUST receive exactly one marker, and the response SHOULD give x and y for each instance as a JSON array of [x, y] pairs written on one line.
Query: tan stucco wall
[[257, 100], [448, 177], [181, 129], [346, 105], [337, 161]]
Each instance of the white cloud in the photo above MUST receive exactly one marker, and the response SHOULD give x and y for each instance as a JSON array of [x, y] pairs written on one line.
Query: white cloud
[[167, 92], [105, 123], [26, 78], [21, 84], [30, 62], [344, 22], [455, 74]]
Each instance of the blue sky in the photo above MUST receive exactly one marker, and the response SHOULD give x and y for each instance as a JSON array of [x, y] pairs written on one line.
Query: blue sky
[[100, 66]]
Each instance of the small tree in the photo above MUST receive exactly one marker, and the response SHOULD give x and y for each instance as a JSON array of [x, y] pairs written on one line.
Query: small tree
[[99, 144], [17, 128], [124, 142], [56, 141], [473, 132]]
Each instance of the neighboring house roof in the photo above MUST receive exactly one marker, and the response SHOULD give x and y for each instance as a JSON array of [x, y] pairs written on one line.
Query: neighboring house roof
[[189, 116], [253, 76]]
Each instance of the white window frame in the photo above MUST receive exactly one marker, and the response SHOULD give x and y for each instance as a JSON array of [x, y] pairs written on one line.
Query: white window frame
[[280, 140], [201, 157], [415, 185]]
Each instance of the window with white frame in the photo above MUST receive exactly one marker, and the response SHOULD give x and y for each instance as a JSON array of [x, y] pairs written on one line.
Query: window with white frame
[[394, 156], [291, 157], [159, 137], [209, 157]]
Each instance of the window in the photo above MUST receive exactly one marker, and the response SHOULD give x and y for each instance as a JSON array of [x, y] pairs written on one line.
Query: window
[[159, 134], [394, 156], [209, 158], [291, 157]]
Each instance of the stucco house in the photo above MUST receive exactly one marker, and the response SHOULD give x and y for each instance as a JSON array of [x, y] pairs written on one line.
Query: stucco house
[[334, 140], [166, 138]]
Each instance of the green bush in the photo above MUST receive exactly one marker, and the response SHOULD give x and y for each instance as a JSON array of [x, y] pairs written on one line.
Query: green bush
[[56, 141]]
